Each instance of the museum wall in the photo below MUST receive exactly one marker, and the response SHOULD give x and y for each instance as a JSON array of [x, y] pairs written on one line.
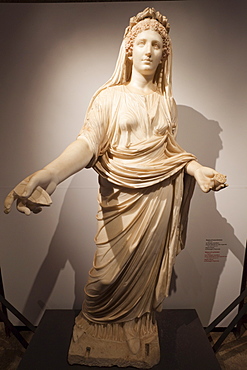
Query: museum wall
[[53, 58]]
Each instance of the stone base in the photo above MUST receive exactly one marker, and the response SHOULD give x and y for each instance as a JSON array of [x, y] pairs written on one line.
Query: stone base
[[183, 343], [91, 351]]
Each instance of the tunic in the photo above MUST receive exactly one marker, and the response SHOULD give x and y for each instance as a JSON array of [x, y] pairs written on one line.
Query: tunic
[[144, 196]]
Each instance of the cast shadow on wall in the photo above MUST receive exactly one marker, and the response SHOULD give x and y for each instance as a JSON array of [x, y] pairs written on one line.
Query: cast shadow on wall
[[199, 282], [67, 245], [72, 243]]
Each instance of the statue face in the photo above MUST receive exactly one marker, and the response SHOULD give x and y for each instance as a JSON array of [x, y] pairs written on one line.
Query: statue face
[[147, 52]]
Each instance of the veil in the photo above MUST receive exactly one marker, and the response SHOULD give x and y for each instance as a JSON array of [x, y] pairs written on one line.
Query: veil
[[162, 79]]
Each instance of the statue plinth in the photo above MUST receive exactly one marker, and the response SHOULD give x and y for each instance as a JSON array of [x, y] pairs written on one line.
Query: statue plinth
[[114, 345]]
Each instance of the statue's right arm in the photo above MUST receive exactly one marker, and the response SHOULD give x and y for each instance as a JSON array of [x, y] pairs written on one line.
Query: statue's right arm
[[29, 193]]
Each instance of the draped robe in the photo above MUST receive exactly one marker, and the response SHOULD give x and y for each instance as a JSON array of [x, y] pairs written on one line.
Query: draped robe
[[144, 198]]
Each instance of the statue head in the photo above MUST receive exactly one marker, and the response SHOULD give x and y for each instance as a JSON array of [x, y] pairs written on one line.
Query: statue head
[[149, 19]]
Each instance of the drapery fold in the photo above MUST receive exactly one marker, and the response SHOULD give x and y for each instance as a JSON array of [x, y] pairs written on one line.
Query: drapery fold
[[139, 235], [144, 200]]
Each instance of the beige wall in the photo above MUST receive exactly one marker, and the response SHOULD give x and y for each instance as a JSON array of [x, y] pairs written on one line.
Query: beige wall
[[53, 58]]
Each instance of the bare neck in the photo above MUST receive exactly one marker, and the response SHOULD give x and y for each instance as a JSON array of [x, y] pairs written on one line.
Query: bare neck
[[141, 83]]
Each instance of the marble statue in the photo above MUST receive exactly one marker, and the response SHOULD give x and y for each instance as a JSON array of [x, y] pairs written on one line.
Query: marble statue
[[146, 181]]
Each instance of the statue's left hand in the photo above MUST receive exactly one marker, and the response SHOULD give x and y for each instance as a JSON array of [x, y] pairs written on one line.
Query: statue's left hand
[[209, 179]]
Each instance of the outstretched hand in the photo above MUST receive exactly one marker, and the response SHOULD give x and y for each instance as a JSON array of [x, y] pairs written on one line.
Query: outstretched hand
[[209, 179], [30, 195]]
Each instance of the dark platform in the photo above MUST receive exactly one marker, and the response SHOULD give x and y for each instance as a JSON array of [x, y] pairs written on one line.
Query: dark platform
[[183, 343]]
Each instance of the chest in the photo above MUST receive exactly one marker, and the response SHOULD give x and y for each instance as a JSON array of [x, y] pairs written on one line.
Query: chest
[[137, 118]]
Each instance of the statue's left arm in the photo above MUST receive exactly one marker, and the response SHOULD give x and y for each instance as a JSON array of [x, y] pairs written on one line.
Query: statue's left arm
[[207, 178]]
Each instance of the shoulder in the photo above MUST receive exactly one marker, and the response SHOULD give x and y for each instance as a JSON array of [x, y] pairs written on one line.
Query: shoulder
[[108, 97], [111, 91]]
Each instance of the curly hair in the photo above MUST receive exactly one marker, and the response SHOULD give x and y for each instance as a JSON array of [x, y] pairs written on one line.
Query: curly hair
[[144, 25]]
